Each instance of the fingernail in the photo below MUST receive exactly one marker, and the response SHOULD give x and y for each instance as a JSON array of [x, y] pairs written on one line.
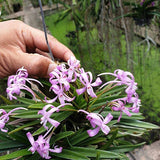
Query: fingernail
[[51, 67]]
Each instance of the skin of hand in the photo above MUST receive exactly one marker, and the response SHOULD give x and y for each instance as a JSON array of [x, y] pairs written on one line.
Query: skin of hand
[[22, 45]]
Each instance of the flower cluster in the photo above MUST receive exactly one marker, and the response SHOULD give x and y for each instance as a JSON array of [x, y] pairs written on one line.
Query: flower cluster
[[61, 79], [17, 82], [63, 75], [46, 115], [127, 79], [42, 146]]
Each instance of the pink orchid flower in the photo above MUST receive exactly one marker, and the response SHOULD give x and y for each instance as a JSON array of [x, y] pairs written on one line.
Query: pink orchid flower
[[5, 117], [46, 113], [97, 120], [17, 82], [86, 80], [59, 91], [73, 66], [42, 146], [120, 106]]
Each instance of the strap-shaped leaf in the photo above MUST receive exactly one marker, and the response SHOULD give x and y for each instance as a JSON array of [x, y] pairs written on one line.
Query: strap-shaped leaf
[[92, 152], [9, 144], [25, 100], [140, 124], [78, 137], [16, 154], [71, 155], [27, 114], [6, 100], [37, 106], [124, 148], [24, 126], [93, 140], [61, 135], [110, 141], [10, 107]]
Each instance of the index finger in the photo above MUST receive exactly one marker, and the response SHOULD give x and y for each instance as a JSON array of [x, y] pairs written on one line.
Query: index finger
[[35, 38]]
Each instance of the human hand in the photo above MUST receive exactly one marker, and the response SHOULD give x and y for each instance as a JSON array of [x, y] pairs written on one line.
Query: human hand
[[22, 45]]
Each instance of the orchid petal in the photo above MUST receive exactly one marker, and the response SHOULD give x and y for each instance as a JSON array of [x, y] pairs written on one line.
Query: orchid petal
[[127, 112], [108, 118], [56, 149], [105, 129], [93, 132], [53, 122], [119, 117], [51, 100], [90, 91], [81, 90], [97, 82], [30, 138]]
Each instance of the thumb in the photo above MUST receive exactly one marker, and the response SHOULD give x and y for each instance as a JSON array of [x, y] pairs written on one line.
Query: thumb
[[36, 65]]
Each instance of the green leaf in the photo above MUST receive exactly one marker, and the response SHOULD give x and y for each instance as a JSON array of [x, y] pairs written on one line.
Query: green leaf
[[4, 136], [140, 124], [19, 153], [125, 148], [60, 116], [92, 140], [71, 155], [10, 144], [25, 100], [37, 105], [7, 101], [28, 114], [78, 137], [18, 136], [110, 141], [10, 107], [98, 156], [91, 152], [62, 135], [47, 83], [24, 126], [39, 131]]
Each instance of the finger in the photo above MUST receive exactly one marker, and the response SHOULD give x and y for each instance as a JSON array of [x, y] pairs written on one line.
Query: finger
[[35, 38], [46, 54], [36, 65]]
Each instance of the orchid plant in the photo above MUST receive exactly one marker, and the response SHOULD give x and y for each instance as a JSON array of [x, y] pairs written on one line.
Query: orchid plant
[[143, 12], [83, 119]]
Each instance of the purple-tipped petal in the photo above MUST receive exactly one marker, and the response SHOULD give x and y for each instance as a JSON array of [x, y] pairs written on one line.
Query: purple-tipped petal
[[30, 138], [90, 91], [56, 149], [81, 90], [53, 122], [108, 118], [97, 82], [93, 132], [51, 100], [105, 129], [119, 117], [127, 112]]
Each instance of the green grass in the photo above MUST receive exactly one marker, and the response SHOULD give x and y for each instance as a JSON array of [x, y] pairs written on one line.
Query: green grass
[[59, 30]]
